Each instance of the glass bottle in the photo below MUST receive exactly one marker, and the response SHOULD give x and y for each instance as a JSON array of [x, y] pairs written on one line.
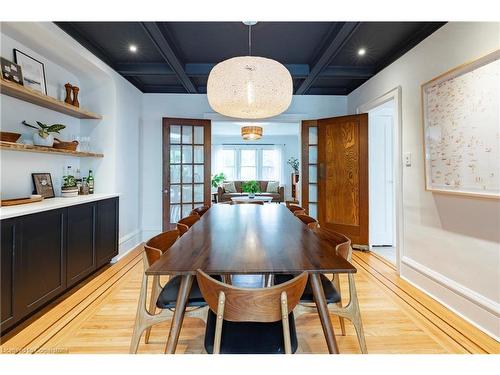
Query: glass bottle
[[90, 181]]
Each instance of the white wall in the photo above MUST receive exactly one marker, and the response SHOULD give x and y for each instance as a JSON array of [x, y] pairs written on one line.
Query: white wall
[[157, 106], [102, 90], [451, 244]]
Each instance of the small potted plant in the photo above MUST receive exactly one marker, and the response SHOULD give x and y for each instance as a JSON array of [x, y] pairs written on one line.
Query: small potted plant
[[69, 188], [44, 137], [294, 163], [250, 187], [217, 179]]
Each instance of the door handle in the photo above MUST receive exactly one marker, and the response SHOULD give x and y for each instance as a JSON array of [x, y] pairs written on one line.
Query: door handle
[[166, 191], [321, 171]]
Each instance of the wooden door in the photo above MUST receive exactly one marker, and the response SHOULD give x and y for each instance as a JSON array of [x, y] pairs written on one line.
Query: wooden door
[[186, 167], [336, 182]]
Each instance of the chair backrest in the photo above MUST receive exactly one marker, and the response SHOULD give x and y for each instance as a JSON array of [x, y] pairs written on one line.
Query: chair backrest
[[311, 222], [182, 228], [248, 202], [199, 210], [251, 304], [157, 245], [189, 220], [341, 242], [297, 210]]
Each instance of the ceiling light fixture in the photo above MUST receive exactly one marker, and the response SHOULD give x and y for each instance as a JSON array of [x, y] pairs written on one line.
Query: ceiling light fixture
[[249, 87], [132, 48], [251, 133], [361, 51]]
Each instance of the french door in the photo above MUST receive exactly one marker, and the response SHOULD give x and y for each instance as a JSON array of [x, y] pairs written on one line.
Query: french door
[[186, 167], [335, 174]]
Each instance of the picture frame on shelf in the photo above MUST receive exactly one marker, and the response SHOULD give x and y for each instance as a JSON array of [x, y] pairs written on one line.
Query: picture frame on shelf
[[11, 71], [460, 129], [33, 72], [43, 184]]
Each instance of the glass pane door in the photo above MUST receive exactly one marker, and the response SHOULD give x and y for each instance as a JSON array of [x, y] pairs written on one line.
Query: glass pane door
[[310, 167], [186, 167]]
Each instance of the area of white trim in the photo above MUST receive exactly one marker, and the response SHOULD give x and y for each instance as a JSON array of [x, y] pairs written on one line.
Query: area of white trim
[[394, 94], [461, 290], [127, 243]]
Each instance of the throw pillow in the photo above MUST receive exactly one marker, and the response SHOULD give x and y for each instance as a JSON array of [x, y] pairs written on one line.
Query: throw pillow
[[273, 186], [229, 187]]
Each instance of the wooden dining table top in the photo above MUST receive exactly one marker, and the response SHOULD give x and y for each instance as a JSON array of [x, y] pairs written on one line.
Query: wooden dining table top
[[250, 239]]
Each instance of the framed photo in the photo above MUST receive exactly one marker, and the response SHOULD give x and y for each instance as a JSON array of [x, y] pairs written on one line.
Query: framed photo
[[43, 184], [461, 123], [33, 72], [10, 71]]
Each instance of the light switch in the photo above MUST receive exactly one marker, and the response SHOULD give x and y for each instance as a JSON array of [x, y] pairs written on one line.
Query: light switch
[[407, 157]]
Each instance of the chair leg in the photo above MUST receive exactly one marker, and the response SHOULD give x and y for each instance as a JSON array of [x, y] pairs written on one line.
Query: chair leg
[[218, 323], [356, 319], [155, 293], [336, 284], [139, 319], [286, 326]]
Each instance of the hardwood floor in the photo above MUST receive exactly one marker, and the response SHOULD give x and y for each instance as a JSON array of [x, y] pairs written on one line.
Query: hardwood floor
[[98, 317]]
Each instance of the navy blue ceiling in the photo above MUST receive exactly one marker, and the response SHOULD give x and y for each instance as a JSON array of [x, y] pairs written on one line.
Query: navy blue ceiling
[[176, 57]]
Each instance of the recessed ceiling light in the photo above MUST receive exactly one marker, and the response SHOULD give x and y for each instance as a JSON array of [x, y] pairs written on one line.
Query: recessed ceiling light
[[361, 52], [132, 48]]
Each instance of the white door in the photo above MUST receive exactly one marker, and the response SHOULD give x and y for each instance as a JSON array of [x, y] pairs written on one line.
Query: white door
[[381, 175]]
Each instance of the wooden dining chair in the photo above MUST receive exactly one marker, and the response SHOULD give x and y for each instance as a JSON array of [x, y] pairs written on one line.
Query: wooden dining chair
[[297, 210], [248, 202], [163, 298], [186, 223], [331, 288], [251, 320], [311, 222], [200, 210]]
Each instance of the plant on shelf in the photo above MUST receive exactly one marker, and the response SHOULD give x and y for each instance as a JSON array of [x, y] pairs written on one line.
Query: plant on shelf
[[44, 137], [217, 179], [294, 163], [250, 187], [69, 187]]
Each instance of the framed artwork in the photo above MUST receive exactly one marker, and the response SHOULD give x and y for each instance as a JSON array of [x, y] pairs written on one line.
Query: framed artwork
[[461, 121], [43, 184], [33, 72], [10, 71]]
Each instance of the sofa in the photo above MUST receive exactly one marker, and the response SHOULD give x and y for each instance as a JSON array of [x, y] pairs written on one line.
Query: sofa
[[223, 196]]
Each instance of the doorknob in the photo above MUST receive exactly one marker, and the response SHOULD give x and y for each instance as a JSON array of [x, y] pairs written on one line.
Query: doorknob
[[166, 191]]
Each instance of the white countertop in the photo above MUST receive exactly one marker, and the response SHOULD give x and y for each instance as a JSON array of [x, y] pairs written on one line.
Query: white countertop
[[50, 204]]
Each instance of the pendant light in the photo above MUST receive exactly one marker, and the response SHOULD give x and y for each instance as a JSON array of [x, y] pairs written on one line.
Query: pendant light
[[249, 87], [251, 133]]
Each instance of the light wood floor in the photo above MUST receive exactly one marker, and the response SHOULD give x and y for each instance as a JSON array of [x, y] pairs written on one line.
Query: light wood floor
[[98, 316]]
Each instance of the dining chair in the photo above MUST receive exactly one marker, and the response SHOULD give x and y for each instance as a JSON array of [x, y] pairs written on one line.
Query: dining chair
[[297, 210], [186, 223], [165, 297], [251, 320], [248, 202], [332, 290], [311, 222], [200, 210]]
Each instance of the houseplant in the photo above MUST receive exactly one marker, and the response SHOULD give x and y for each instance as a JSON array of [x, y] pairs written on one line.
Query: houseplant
[[69, 187], [294, 163], [250, 187], [44, 137], [217, 179]]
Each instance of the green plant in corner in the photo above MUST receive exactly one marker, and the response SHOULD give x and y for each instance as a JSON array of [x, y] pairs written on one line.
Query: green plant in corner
[[294, 163], [217, 179], [44, 130], [250, 187], [69, 182]]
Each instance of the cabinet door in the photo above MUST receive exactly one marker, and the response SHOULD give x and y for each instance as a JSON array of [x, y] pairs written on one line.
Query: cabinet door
[[42, 264], [106, 231], [8, 247], [80, 243]]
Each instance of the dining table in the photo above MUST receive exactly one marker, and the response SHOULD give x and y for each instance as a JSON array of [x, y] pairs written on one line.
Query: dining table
[[250, 239]]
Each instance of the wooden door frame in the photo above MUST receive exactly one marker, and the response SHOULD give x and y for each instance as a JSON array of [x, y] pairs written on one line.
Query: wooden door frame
[[304, 187], [207, 142], [395, 95]]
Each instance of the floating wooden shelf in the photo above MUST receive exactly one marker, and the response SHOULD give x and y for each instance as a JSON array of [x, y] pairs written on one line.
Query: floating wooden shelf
[[46, 150], [31, 96]]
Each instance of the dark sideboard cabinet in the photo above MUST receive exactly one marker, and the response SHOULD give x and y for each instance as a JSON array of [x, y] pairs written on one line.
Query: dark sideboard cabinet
[[44, 254]]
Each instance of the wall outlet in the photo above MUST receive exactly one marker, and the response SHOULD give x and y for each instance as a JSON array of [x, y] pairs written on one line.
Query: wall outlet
[[407, 159]]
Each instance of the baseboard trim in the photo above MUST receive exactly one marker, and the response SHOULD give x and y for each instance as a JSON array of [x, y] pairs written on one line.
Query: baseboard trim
[[476, 298]]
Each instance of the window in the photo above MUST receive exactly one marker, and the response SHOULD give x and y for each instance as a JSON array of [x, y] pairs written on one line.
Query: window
[[241, 162]]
